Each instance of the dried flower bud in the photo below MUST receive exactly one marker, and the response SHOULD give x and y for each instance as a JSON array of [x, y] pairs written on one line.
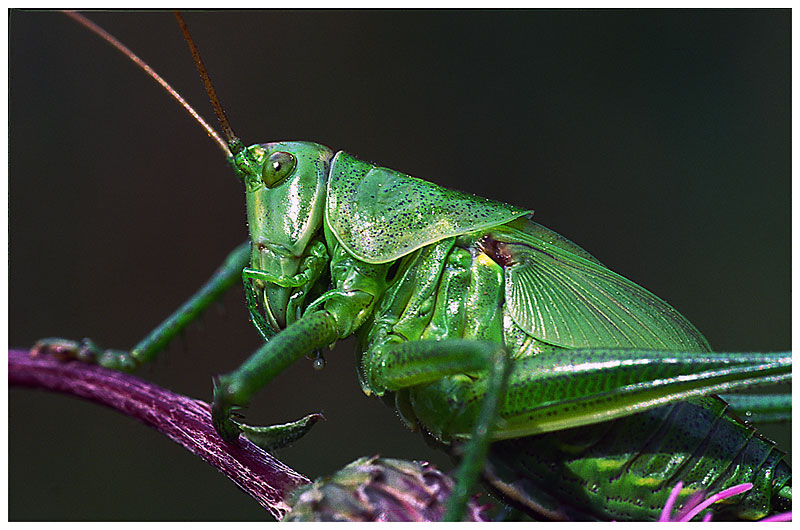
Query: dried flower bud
[[379, 489]]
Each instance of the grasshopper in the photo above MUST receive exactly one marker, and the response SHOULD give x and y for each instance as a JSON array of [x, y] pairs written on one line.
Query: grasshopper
[[529, 186]]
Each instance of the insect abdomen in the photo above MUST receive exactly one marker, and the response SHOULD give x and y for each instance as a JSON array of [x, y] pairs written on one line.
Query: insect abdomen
[[625, 469]]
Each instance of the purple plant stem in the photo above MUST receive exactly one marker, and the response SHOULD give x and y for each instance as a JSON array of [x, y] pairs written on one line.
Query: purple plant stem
[[184, 420]]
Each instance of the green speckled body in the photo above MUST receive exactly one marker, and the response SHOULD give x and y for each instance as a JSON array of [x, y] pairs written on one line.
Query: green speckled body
[[576, 393], [380, 215], [453, 297], [623, 469]]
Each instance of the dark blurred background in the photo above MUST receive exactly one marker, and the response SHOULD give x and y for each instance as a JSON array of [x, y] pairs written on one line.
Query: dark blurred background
[[657, 140]]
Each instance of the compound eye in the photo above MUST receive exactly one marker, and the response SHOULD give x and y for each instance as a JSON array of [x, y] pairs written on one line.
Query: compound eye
[[277, 168]]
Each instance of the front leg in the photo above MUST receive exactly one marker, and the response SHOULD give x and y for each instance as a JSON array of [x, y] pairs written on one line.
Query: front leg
[[234, 390], [156, 341], [334, 315]]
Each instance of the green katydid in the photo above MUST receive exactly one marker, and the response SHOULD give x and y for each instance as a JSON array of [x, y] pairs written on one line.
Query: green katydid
[[495, 238]]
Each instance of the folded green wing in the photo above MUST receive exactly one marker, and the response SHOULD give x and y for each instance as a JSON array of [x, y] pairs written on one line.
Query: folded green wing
[[569, 301]]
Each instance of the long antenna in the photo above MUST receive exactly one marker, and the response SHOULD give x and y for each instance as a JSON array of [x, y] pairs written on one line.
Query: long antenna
[[234, 143], [97, 30]]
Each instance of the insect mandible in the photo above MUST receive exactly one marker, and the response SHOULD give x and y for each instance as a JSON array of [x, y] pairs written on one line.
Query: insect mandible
[[424, 143]]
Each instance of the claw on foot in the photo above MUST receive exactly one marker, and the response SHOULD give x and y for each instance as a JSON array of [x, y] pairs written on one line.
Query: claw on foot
[[273, 437], [225, 417]]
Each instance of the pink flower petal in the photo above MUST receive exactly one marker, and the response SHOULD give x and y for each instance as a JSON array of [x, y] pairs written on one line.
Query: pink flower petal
[[724, 494], [665, 513]]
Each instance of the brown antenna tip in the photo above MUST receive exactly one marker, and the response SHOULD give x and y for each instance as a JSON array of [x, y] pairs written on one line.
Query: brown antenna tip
[[234, 143]]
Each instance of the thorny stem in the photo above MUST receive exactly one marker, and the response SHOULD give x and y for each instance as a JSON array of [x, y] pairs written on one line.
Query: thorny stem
[[184, 420]]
